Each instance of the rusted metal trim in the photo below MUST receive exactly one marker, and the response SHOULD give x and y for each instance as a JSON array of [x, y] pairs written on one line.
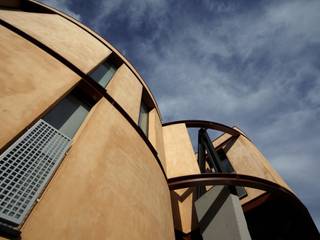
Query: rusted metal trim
[[256, 202], [207, 125], [89, 81], [231, 179]]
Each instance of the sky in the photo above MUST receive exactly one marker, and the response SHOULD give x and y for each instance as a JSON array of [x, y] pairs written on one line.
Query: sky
[[251, 64]]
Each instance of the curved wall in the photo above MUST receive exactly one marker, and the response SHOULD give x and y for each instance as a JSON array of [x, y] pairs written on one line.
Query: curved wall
[[246, 159], [110, 184], [26, 94], [60, 35], [102, 40], [243, 155], [125, 88]]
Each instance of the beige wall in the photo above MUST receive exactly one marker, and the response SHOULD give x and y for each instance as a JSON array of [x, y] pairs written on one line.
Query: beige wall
[[221, 139], [26, 88], [246, 159], [125, 88], [109, 186], [181, 160], [155, 135], [180, 156], [59, 34], [129, 65]]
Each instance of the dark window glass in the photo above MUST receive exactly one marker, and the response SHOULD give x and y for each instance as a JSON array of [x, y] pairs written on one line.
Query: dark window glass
[[68, 115], [144, 118], [103, 73]]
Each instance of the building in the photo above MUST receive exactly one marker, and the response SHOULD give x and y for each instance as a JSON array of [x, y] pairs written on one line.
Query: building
[[85, 154]]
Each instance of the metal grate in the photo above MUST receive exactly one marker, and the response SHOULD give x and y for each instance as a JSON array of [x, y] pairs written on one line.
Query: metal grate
[[26, 167]]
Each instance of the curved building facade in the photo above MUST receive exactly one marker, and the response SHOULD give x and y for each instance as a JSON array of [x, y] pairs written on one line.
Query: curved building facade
[[85, 154]]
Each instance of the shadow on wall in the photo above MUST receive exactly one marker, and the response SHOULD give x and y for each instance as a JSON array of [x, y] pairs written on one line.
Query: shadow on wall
[[181, 201]]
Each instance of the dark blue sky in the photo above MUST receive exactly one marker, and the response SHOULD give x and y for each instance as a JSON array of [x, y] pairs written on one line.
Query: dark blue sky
[[253, 64]]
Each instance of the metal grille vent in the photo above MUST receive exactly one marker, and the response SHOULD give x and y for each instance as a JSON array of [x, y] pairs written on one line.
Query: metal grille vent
[[26, 167]]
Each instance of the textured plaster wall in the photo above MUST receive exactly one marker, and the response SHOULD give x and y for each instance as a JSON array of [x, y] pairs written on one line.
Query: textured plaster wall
[[155, 135], [125, 88], [181, 160], [246, 159], [59, 34], [26, 88], [109, 186]]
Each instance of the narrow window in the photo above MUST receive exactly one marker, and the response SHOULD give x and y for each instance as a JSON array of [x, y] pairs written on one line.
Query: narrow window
[[68, 115], [145, 107], [103, 73], [144, 118]]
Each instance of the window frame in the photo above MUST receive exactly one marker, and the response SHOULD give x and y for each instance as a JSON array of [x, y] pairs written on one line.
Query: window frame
[[113, 61]]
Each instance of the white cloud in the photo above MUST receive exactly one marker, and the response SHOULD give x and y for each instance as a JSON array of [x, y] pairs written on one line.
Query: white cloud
[[62, 5], [135, 11], [257, 68]]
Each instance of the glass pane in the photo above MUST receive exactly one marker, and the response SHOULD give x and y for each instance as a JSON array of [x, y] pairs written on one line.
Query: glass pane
[[68, 115], [103, 73], [143, 118]]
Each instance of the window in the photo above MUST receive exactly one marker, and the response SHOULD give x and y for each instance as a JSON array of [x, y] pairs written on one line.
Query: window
[[145, 107], [29, 163], [68, 115], [144, 118], [103, 73]]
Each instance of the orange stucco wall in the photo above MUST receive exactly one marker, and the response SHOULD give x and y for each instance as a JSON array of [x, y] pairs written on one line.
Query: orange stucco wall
[[59, 34], [155, 135], [246, 159], [26, 88], [125, 88], [109, 186], [180, 160], [113, 49]]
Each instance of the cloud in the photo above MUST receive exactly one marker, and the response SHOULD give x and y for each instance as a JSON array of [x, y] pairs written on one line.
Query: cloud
[[135, 12], [251, 64], [62, 5], [256, 67]]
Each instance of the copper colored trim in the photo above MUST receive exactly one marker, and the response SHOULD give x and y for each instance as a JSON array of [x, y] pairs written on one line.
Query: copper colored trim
[[232, 179], [256, 202], [89, 81], [207, 125]]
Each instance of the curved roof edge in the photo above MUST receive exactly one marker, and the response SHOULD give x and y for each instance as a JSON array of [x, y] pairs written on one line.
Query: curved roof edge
[[232, 179], [103, 41], [233, 131]]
